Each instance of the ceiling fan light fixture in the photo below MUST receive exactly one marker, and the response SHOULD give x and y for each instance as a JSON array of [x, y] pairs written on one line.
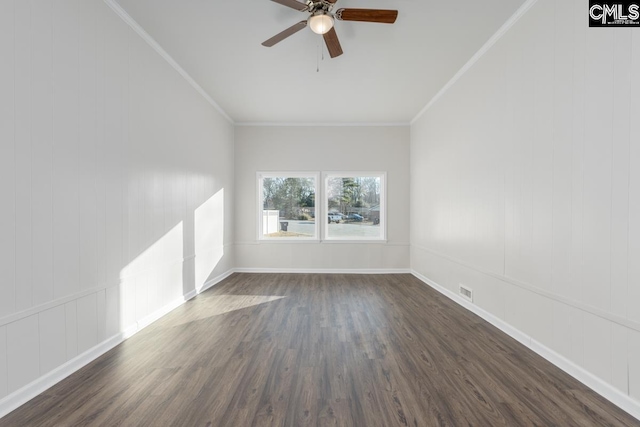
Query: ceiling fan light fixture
[[321, 23]]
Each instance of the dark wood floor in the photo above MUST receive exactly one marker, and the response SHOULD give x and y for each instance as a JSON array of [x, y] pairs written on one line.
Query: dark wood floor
[[302, 349]]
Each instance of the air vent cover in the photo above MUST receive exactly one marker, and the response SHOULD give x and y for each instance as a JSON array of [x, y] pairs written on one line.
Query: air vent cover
[[467, 293]]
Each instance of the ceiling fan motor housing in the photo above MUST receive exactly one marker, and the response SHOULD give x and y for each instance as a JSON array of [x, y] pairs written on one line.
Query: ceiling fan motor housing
[[320, 6]]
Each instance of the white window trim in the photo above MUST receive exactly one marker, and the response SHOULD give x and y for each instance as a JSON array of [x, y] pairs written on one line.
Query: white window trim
[[280, 174], [383, 206]]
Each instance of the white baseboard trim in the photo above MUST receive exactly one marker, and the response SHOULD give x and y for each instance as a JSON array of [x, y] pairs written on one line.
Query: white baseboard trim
[[146, 321], [603, 314], [213, 281], [31, 390], [606, 390], [326, 270], [150, 318], [48, 380]]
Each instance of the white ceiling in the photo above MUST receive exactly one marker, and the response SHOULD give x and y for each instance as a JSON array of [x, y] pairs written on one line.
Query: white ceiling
[[387, 74]]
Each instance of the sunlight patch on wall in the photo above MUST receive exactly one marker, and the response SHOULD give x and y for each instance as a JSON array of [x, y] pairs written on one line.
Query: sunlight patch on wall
[[209, 237], [153, 279]]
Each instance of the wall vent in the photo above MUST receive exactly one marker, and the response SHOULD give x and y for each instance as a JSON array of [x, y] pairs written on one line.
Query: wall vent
[[467, 293]]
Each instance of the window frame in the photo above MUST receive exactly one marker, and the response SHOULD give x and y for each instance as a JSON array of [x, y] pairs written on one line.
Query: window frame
[[260, 175], [383, 206]]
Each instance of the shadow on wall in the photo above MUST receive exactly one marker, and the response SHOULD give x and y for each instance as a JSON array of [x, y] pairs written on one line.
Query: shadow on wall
[[172, 267]]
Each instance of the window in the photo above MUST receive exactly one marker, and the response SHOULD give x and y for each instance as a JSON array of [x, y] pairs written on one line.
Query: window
[[352, 208], [287, 206], [354, 202]]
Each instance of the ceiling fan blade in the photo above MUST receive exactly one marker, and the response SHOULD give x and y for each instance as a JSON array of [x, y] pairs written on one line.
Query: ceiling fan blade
[[333, 44], [293, 4], [368, 15], [286, 33]]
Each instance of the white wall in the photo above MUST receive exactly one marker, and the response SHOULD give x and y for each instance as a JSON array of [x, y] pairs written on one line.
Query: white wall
[[116, 183], [322, 149], [525, 186]]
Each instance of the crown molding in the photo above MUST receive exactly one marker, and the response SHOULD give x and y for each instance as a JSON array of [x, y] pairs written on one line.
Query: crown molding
[[479, 54], [115, 6]]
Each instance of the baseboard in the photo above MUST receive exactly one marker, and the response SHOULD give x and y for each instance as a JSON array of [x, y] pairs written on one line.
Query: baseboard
[[146, 321], [606, 390], [214, 281], [606, 315], [48, 380], [31, 390], [326, 270]]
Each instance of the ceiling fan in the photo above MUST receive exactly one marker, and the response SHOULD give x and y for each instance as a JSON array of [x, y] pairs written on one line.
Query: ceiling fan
[[322, 18]]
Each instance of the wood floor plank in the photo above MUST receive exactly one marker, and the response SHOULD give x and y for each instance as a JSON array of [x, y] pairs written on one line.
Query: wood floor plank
[[319, 350]]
